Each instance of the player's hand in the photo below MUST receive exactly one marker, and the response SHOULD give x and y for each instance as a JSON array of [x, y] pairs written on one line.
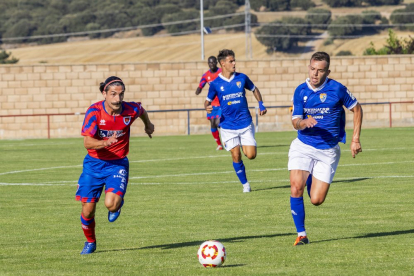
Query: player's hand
[[355, 148], [111, 140], [149, 129], [209, 108], [263, 112], [310, 122]]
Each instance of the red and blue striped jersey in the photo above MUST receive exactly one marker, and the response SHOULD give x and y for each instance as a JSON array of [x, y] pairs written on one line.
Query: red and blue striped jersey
[[207, 78], [100, 125]]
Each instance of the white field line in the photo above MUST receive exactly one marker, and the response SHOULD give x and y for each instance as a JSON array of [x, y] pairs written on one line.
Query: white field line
[[41, 169], [71, 183], [186, 158]]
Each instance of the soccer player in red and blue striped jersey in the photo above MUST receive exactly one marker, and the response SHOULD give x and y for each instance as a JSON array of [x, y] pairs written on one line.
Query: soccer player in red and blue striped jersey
[[106, 131], [215, 114]]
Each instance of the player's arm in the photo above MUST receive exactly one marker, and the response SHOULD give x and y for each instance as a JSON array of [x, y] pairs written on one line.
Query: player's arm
[[92, 143], [300, 124], [207, 106], [356, 144], [201, 85], [149, 127], [198, 91], [259, 98]]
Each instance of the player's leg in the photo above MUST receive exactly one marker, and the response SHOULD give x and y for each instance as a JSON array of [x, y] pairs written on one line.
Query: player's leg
[[297, 206], [214, 122], [214, 118], [299, 166], [116, 185], [239, 167], [88, 226], [319, 191], [248, 141], [113, 203], [323, 173], [89, 192]]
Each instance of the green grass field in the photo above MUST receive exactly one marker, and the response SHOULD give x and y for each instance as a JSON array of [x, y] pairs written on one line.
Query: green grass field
[[183, 192]]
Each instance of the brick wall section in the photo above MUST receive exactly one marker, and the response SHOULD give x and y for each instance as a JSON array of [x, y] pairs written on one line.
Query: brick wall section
[[49, 89]]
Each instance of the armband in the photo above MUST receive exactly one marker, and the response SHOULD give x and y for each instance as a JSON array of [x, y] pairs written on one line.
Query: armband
[[261, 106]]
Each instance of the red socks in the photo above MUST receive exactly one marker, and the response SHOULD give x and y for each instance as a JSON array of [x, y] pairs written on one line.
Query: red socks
[[88, 227], [216, 136]]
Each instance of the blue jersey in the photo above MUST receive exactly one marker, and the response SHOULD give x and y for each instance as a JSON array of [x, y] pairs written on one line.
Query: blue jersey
[[324, 104], [231, 93]]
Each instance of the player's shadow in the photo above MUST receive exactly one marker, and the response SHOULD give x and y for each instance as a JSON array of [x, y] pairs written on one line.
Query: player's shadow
[[197, 243], [351, 180], [371, 235], [272, 146], [271, 188]]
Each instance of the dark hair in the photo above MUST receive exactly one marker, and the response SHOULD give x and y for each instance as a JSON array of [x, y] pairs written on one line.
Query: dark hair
[[111, 81], [321, 56], [223, 54], [212, 57]]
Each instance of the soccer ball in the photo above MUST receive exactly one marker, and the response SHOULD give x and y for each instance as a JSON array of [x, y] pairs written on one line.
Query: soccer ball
[[211, 254]]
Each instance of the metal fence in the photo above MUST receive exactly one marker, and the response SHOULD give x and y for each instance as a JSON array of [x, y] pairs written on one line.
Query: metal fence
[[200, 109]]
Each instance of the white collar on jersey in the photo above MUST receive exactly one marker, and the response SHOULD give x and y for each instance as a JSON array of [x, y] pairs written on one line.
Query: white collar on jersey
[[226, 79], [318, 88]]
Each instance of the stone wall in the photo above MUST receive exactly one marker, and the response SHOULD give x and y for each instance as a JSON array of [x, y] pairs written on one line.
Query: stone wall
[[71, 89]]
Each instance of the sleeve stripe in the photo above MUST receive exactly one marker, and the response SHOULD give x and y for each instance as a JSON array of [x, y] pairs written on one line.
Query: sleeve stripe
[[90, 122], [352, 106], [209, 99], [90, 110]]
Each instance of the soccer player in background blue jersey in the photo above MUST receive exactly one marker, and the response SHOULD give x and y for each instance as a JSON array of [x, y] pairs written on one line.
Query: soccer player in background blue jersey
[[236, 123], [319, 117]]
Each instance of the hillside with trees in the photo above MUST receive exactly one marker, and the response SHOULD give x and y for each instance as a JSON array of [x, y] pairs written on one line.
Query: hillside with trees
[[22, 19]]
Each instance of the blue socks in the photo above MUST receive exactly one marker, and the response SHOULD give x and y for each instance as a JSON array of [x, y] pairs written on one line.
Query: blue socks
[[298, 213], [309, 184], [240, 171]]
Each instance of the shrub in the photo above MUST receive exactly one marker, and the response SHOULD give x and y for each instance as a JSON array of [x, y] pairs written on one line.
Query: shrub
[[343, 3], [344, 53], [5, 58], [319, 17], [277, 37], [303, 4], [394, 46], [398, 18]]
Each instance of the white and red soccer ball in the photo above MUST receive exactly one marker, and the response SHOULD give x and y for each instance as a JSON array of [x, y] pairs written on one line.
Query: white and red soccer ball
[[211, 254]]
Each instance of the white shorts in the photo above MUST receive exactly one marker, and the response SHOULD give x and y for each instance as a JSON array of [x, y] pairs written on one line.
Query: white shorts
[[321, 164], [231, 138]]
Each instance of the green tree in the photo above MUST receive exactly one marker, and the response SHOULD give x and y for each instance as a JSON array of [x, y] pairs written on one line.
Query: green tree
[[346, 25], [303, 4], [393, 46], [404, 16], [282, 37], [180, 16], [5, 58], [343, 3], [319, 17]]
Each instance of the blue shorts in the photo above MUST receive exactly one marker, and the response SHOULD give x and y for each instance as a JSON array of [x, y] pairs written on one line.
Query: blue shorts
[[215, 113], [113, 174]]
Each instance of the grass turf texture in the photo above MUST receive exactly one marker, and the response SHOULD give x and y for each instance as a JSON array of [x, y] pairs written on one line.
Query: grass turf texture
[[182, 192]]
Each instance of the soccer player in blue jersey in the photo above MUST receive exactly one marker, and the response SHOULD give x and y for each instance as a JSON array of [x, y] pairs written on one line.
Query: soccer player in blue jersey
[[319, 117], [237, 129]]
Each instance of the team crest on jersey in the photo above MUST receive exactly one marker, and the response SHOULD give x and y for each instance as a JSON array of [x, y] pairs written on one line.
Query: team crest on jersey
[[238, 84], [127, 120], [322, 97]]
